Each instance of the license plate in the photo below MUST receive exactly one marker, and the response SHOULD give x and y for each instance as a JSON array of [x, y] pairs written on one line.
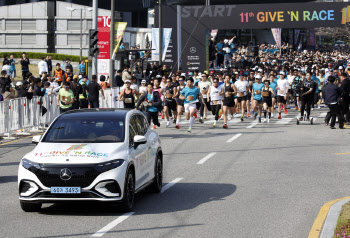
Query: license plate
[[65, 190]]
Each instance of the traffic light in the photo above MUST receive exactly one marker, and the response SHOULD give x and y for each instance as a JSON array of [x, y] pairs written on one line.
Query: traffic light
[[93, 42]]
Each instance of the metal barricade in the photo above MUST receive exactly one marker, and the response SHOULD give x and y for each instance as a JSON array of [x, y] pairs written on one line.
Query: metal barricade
[[4, 117]]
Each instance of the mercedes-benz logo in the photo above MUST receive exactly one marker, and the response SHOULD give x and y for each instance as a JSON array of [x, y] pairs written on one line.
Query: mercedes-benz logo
[[193, 50], [65, 174]]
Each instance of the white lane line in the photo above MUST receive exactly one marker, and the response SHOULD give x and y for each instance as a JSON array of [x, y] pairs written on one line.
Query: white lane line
[[169, 185], [252, 125], [111, 225], [233, 138], [323, 114], [202, 161], [284, 120]]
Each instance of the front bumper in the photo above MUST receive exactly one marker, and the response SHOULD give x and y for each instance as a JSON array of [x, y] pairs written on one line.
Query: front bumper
[[91, 192]]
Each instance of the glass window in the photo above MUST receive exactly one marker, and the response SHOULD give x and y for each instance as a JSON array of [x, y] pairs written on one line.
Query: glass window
[[73, 25], [145, 124], [28, 25], [86, 131], [13, 39], [12, 25], [131, 136], [89, 24], [28, 39], [73, 39]]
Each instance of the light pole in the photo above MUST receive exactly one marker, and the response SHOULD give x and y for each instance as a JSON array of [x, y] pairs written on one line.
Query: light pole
[[72, 9], [160, 33], [111, 45], [94, 26]]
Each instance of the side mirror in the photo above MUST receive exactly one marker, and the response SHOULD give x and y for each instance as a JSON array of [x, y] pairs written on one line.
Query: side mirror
[[36, 139], [139, 140]]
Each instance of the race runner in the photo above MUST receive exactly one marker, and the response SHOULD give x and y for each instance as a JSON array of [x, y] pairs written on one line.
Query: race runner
[[257, 101], [170, 103], [180, 102], [267, 95], [214, 97], [242, 89], [282, 87], [228, 91]]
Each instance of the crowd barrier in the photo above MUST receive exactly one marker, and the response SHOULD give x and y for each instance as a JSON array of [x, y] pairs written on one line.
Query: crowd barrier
[[22, 115]]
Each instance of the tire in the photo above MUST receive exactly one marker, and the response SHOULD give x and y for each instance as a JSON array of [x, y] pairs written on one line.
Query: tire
[[128, 200], [30, 207], [157, 184]]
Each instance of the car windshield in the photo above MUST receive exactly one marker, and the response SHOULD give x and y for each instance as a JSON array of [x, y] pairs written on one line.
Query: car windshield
[[86, 131]]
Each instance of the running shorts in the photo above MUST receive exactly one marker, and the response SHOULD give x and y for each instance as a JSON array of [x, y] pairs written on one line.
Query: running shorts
[[188, 106], [280, 99]]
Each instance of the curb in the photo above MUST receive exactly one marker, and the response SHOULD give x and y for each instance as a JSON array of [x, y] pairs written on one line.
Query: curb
[[332, 218], [328, 211]]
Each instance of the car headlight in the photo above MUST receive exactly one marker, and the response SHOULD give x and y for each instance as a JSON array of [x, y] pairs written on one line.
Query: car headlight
[[104, 167], [30, 165]]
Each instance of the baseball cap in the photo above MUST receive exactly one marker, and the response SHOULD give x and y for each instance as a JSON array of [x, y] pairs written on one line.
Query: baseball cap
[[19, 84], [340, 67], [80, 76], [158, 76], [260, 70], [258, 77], [127, 81], [281, 73], [143, 81]]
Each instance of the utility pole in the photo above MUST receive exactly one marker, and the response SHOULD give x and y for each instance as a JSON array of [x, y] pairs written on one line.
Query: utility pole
[[81, 34], [94, 26], [160, 34], [111, 46]]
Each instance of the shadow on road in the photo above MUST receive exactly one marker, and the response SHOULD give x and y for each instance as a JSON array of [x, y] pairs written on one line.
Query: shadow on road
[[183, 196], [8, 179]]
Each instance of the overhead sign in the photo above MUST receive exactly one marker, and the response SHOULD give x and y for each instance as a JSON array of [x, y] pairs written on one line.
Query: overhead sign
[[103, 36]]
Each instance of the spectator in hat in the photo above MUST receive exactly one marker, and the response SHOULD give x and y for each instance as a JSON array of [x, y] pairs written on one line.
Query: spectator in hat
[[143, 88]]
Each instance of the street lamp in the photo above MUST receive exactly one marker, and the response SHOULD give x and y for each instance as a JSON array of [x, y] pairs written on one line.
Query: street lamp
[[72, 9]]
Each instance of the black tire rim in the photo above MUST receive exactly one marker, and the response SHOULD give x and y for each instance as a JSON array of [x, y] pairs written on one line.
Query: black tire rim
[[130, 190], [159, 173]]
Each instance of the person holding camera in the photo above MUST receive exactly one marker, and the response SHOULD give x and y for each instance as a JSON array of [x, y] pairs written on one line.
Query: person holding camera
[[152, 104]]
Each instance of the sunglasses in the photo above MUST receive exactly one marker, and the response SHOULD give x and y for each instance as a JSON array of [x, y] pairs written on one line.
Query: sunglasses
[[66, 87], [180, 80]]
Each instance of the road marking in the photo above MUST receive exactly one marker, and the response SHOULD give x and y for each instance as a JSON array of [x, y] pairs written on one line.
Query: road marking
[[346, 153], [10, 142], [252, 125], [234, 137], [284, 120], [111, 225], [169, 185], [321, 217], [202, 161], [323, 114]]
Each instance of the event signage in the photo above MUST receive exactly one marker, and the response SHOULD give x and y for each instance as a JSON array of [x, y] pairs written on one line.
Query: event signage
[[194, 23]]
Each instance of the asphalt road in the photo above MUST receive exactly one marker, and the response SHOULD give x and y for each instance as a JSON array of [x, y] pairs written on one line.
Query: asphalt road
[[269, 181]]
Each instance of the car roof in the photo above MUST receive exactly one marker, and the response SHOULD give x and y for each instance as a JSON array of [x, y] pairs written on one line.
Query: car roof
[[101, 113]]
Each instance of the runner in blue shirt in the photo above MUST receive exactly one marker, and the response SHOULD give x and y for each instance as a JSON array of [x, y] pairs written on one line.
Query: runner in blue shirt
[[190, 95], [257, 87]]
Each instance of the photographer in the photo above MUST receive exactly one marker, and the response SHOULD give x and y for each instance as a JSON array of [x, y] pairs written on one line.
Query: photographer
[[151, 104]]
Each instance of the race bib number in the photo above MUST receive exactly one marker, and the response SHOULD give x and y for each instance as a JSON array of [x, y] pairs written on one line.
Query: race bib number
[[128, 100]]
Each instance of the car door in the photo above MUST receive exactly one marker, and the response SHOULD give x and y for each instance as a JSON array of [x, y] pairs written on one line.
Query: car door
[[150, 156], [138, 154]]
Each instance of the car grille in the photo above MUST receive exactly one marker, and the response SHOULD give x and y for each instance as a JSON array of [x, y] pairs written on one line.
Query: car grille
[[80, 195], [81, 176]]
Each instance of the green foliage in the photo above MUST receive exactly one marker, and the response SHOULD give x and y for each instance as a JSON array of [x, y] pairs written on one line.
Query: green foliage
[[38, 55]]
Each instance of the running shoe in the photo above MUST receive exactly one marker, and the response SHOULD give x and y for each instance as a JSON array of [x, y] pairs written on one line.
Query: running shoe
[[301, 119], [174, 121], [195, 115], [177, 126], [255, 115], [259, 119], [214, 124], [279, 117], [168, 124], [237, 110], [308, 119], [201, 120], [205, 116], [231, 117], [220, 114], [285, 111], [299, 110], [242, 119], [268, 120], [189, 130], [248, 115], [282, 106], [224, 126], [272, 116], [154, 127], [264, 120], [312, 109], [162, 116], [296, 108]]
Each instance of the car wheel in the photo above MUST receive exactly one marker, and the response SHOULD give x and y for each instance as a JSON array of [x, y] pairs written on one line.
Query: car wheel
[[129, 192], [157, 184], [30, 207]]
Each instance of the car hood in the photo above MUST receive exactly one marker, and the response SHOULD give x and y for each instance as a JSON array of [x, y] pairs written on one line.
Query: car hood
[[70, 153]]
